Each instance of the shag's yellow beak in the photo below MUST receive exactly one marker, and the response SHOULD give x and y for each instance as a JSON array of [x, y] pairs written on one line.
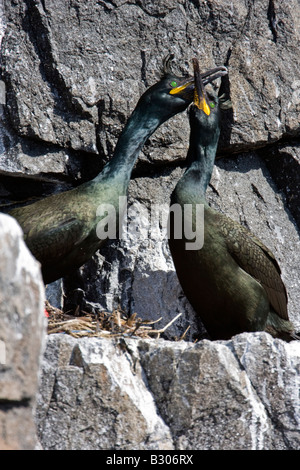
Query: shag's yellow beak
[[179, 89], [201, 102], [193, 89], [200, 99]]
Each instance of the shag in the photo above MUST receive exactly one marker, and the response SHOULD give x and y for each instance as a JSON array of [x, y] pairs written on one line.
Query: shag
[[63, 231], [233, 281]]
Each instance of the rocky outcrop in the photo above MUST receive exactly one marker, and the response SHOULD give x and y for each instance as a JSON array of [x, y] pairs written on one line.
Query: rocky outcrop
[[159, 395], [73, 72], [22, 337]]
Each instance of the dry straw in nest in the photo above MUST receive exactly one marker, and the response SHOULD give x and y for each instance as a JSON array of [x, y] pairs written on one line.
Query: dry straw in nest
[[103, 324]]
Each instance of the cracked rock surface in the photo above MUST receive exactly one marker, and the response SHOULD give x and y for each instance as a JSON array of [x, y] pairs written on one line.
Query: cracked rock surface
[[156, 394]]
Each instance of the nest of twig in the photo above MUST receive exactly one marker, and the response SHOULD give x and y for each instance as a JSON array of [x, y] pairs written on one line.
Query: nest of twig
[[103, 324]]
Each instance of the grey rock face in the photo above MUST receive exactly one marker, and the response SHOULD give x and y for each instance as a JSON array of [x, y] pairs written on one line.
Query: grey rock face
[[138, 272], [287, 157], [22, 330], [156, 394], [93, 396]]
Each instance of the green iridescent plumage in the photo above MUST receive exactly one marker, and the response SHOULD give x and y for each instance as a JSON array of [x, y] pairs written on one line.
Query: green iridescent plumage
[[60, 230]]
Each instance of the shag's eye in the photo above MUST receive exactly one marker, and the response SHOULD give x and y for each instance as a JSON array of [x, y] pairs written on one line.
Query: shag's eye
[[212, 105], [173, 84]]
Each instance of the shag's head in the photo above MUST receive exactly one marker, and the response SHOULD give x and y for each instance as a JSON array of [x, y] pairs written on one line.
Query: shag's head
[[173, 94], [205, 112]]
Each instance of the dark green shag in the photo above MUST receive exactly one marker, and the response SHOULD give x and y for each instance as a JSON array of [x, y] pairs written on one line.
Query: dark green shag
[[233, 282]]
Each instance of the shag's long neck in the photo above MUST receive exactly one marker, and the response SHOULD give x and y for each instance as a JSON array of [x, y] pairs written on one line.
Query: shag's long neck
[[200, 159], [139, 127]]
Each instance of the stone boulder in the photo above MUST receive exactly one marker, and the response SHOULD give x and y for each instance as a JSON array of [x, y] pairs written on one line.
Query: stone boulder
[[22, 337], [137, 394]]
